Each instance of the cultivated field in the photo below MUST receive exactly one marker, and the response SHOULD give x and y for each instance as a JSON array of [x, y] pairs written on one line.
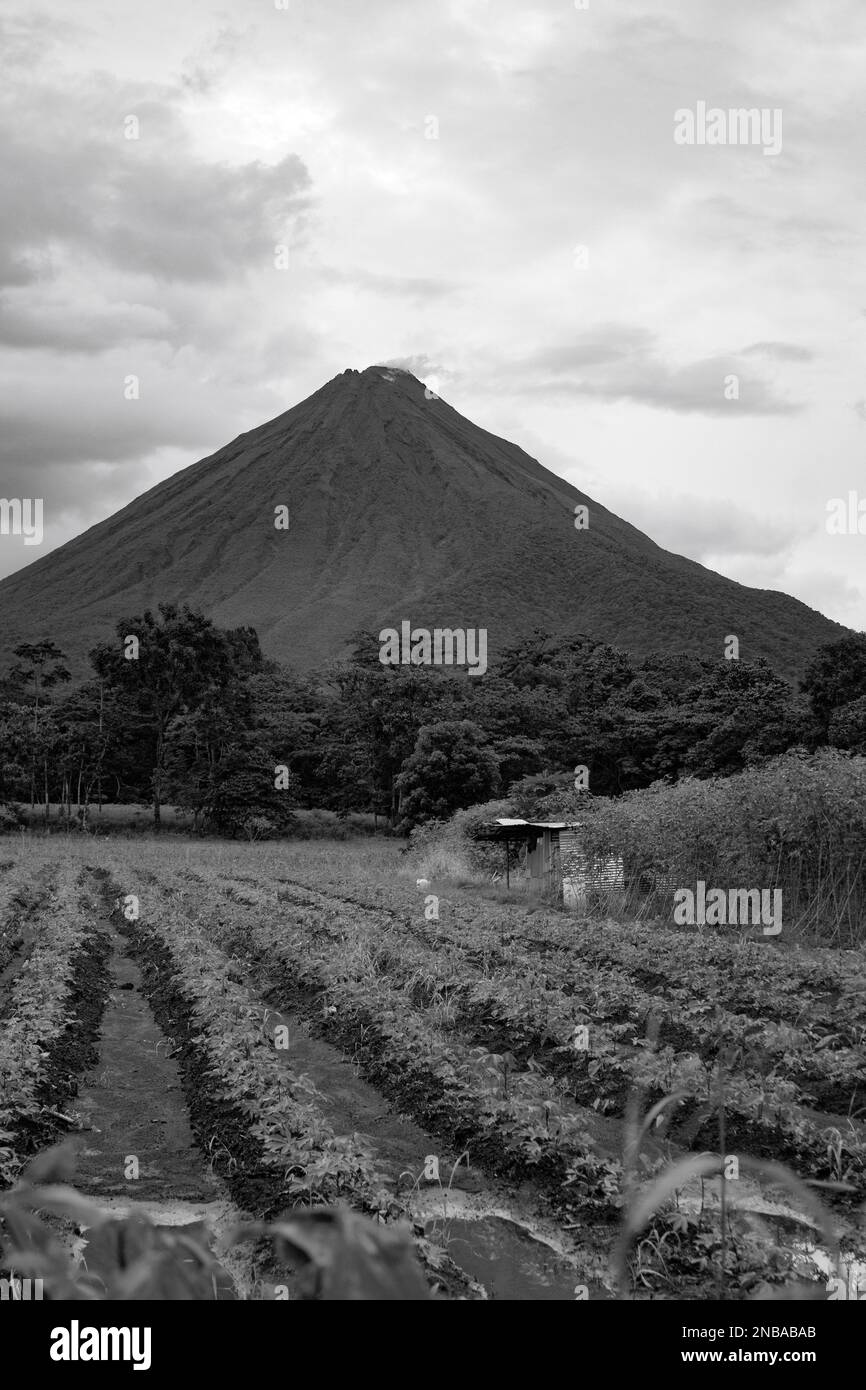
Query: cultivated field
[[551, 1107]]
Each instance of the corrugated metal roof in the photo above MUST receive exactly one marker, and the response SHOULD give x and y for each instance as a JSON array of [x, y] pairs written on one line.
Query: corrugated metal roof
[[540, 824]]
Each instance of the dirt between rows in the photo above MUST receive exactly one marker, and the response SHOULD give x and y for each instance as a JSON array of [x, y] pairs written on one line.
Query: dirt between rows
[[137, 1144], [494, 1233], [110, 1081], [694, 1126], [133, 1055], [222, 1130], [423, 1096], [138, 1141], [426, 1099], [400, 1150]]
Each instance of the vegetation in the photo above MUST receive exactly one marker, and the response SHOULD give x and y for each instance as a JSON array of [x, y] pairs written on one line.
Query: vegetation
[[796, 823], [646, 1088], [180, 712]]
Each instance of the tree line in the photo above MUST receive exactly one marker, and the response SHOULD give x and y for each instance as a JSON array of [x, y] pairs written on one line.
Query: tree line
[[180, 712]]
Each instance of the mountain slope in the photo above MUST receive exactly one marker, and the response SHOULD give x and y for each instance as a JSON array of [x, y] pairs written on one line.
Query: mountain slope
[[401, 509]]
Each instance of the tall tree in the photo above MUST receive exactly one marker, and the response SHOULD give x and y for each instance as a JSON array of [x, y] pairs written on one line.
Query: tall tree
[[383, 708], [165, 666], [835, 676], [450, 767], [39, 668]]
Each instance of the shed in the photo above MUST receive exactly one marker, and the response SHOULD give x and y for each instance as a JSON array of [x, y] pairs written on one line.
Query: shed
[[554, 853], [542, 840]]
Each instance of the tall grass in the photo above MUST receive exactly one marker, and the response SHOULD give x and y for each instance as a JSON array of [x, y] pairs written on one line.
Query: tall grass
[[796, 823]]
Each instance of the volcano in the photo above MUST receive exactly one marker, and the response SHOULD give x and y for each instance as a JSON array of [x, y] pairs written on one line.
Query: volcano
[[398, 508]]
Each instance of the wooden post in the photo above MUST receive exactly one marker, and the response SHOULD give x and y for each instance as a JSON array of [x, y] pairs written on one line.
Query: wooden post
[[507, 878]]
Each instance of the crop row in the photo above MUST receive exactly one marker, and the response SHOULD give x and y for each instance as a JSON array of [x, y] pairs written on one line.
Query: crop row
[[17, 895], [242, 1056], [539, 1008], [515, 1122], [821, 971], [524, 1017], [37, 1018], [356, 961], [827, 988]]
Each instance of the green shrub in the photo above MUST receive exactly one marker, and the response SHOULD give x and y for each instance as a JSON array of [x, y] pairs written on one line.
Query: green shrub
[[450, 849], [797, 822]]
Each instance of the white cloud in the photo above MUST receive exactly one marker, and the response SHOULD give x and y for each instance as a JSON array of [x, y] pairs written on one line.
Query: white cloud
[[457, 253]]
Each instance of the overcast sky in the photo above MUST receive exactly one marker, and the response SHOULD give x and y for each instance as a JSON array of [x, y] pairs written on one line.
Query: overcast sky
[[433, 170]]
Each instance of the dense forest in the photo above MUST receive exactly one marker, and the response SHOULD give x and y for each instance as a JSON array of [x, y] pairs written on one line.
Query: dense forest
[[179, 712]]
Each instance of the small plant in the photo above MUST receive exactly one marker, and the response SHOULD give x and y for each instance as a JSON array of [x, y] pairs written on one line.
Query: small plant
[[346, 1256]]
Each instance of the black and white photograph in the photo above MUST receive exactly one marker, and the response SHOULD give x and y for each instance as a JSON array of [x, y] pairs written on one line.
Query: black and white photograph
[[432, 669]]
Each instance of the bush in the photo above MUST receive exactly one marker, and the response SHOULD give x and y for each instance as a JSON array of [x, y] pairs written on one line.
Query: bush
[[259, 828], [9, 818], [243, 800], [847, 726], [797, 823], [450, 766], [319, 824], [449, 848]]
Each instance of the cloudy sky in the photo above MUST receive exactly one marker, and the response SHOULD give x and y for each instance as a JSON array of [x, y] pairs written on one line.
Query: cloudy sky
[[488, 191]]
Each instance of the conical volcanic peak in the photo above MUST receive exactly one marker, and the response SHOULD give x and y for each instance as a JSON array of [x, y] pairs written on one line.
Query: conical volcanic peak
[[371, 503]]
